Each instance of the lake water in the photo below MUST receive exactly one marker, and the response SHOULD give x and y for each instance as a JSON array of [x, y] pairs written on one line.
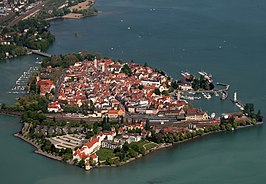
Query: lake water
[[224, 37]]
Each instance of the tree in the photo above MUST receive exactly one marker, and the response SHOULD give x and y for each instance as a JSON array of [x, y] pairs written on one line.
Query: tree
[[132, 153], [157, 91], [68, 156], [126, 70], [205, 85], [75, 161], [166, 93], [96, 128], [89, 134], [3, 106], [228, 127], [135, 147], [231, 120], [249, 108], [47, 145], [259, 117], [125, 147], [196, 84], [174, 85], [81, 163], [141, 87], [147, 125], [109, 161]]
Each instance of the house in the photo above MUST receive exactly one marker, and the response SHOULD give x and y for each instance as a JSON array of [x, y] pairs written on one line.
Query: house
[[46, 86], [151, 111], [145, 134], [94, 158], [54, 107], [185, 86], [101, 136], [196, 114], [115, 113], [130, 137], [92, 146], [150, 83], [136, 126], [134, 138], [87, 149], [131, 109], [111, 144], [110, 135]]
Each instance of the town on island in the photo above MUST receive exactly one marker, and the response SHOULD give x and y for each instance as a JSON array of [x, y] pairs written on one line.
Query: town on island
[[92, 111]]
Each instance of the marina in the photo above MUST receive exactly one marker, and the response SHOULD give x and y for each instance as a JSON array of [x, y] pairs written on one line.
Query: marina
[[219, 89], [22, 82]]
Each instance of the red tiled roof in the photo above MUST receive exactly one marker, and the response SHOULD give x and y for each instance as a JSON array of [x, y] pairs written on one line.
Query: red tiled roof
[[92, 142]]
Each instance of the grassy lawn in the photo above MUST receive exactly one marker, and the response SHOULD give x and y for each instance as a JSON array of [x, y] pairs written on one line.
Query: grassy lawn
[[140, 143], [149, 145], [104, 153], [146, 144]]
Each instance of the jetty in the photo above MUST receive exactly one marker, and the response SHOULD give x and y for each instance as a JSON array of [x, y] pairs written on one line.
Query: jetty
[[237, 102]]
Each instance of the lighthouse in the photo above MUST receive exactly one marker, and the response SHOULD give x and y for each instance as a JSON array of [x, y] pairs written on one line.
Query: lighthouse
[[95, 63]]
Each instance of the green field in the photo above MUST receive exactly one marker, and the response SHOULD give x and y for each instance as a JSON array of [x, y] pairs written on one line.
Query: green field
[[145, 144], [105, 153], [149, 145]]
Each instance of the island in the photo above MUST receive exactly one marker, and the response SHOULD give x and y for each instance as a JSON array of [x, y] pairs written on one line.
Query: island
[[93, 111]]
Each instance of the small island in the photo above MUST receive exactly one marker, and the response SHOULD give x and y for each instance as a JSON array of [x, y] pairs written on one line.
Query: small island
[[92, 111]]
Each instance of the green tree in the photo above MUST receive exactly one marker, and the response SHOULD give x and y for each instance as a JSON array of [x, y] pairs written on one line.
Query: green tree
[[126, 70], [109, 161], [249, 108], [132, 153], [141, 87], [157, 91], [196, 84], [228, 127], [81, 163], [174, 85]]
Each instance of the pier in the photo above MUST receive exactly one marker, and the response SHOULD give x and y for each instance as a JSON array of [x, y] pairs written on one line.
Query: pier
[[38, 52], [237, 102]]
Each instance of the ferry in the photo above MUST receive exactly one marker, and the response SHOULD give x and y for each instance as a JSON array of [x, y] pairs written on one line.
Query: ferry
[[187, 76], [206, 76]]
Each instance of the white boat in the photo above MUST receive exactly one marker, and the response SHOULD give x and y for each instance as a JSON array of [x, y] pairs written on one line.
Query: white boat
[[206, 95], [206, 76]]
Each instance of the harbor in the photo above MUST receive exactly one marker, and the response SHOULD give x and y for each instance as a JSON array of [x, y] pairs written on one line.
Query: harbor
[[188, 91], [22, 82]]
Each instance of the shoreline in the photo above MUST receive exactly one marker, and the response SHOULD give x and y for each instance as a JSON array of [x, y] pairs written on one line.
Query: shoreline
[[168, 145], [159, 147], [37, 148]]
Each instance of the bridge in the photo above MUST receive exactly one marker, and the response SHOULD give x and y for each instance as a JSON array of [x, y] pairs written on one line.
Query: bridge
[[38, 52]]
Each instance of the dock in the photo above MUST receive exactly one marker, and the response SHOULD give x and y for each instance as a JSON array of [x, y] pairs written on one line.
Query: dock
[[237, 102]]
